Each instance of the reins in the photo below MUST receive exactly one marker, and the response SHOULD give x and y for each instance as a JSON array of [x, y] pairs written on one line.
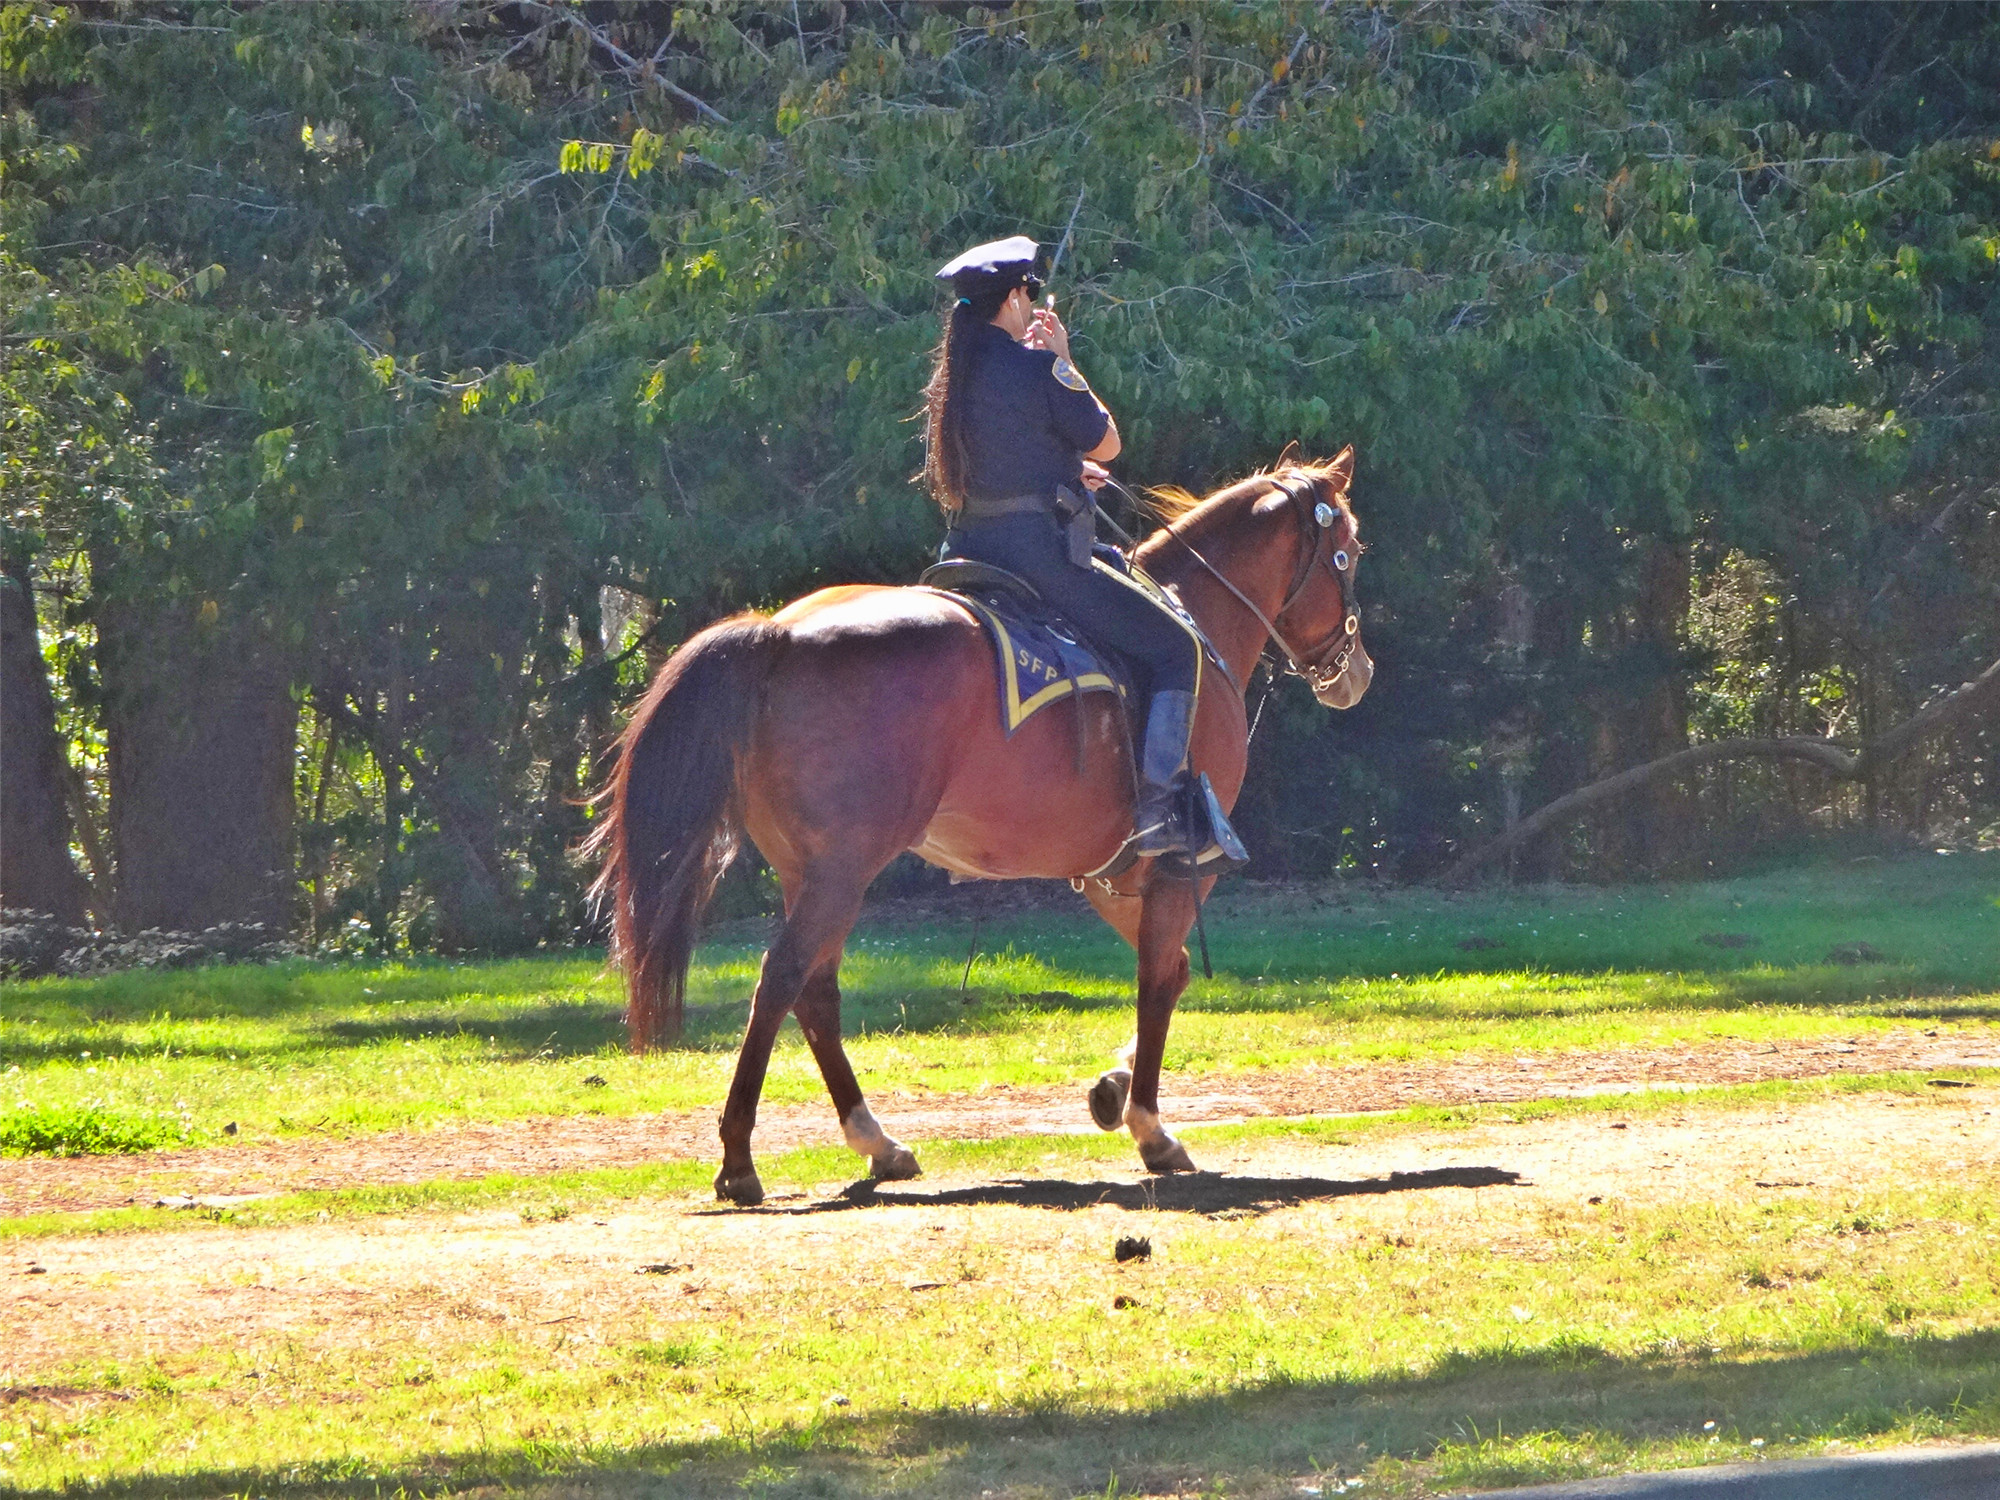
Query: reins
[[1323, 668]]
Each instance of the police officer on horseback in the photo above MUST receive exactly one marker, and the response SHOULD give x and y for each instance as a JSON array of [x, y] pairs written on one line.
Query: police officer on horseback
[[1014, 442]]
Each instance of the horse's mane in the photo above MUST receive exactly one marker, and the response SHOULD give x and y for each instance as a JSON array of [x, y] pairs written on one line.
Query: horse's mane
[[1173, 506]]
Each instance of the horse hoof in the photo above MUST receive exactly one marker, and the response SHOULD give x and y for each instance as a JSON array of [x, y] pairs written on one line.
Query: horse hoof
[[899, 1165], [1169, 1156], [1107, 1098], [743, 1189]]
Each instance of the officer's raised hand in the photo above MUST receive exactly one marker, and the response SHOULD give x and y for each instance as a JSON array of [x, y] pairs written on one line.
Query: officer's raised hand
[[1046, 331]]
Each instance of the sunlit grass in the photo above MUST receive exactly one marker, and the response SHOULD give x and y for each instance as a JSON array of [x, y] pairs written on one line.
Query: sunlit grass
[[1469, 1343], [83, 1130], [1337, 975]]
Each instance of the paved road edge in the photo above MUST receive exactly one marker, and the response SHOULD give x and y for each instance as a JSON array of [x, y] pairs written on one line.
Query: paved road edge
[[1958, 1472]]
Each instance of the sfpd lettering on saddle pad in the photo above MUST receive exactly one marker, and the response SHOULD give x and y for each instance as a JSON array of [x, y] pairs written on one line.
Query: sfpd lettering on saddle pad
[[1039, 664]]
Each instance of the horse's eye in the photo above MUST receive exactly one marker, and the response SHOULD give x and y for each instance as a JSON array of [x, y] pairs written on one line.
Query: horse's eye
[[1340, 560]]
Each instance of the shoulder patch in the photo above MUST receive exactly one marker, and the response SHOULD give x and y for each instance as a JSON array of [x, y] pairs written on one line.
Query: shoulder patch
[[1065, 372]]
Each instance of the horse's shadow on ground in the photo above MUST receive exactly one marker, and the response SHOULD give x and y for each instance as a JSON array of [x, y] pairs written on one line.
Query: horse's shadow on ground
[[1189, 1193]]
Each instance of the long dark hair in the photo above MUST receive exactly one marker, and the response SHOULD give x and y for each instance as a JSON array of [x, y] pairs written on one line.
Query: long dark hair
[[952, 366]]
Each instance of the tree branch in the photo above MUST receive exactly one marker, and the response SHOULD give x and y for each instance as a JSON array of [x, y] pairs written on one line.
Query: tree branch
[[632, 67], [1846, 765], [1291, 62], [1939, 525], [1960, 703]]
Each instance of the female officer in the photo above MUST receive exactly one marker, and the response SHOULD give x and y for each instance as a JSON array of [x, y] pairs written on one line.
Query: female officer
[[1011, 430]]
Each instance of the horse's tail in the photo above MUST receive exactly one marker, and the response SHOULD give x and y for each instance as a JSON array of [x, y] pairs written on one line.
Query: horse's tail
[[671, 820]]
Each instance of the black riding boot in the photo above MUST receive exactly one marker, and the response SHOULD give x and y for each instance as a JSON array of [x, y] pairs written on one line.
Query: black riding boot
[[1161, 818]]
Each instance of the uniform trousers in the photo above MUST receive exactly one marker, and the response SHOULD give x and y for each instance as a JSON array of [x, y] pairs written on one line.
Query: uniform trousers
[[1109, 608]]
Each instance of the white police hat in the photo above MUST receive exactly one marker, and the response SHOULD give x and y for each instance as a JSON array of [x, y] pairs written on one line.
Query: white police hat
[[993, 258]]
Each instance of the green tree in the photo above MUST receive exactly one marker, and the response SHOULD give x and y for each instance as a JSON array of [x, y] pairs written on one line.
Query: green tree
[[462, 359]]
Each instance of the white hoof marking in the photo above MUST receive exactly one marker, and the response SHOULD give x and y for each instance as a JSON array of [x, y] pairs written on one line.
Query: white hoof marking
[[887, 1156], [1146, 1128], [1158, 1150], [865, 1136]]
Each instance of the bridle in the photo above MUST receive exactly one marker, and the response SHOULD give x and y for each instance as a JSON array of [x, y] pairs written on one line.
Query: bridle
[[1327, 663]]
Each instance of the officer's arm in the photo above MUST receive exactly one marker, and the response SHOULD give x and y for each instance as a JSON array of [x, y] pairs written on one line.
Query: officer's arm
[[1080, 418], [1109, 449], [1048, 333]]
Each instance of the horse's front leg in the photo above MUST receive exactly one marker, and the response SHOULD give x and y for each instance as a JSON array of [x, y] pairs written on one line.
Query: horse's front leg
[[1164, 919], [1120, 909], [818, 1010]]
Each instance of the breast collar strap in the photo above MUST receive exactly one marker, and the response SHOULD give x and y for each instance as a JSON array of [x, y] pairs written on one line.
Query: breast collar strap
[[1328, 662]]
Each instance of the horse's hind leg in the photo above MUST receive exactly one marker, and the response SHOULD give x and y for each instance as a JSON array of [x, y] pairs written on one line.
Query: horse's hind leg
[[818, 1011], [814, 931]]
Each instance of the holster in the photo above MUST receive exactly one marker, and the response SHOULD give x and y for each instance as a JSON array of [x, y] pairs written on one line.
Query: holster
[[1079, 522]]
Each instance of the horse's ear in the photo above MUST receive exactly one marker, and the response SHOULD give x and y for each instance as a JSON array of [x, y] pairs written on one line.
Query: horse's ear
[[1341, 468], [1290, 455]]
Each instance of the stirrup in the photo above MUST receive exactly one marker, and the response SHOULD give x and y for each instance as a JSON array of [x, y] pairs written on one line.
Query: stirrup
[[1195, 832], [1219, 849]]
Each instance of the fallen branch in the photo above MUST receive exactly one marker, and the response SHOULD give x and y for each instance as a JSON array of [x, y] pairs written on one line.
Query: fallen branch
[[1843, 764]]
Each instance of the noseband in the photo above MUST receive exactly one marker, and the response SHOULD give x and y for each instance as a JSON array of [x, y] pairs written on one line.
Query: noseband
[[1328, 662]]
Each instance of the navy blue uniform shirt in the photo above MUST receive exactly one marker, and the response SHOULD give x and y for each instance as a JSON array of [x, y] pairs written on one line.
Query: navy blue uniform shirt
[[1026, 430]]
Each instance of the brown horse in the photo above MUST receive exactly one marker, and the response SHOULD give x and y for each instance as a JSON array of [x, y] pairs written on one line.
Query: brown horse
[[861, 721]]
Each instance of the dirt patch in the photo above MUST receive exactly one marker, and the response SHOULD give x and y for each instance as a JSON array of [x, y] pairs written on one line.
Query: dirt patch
[[538, 1146], [441, 1280]]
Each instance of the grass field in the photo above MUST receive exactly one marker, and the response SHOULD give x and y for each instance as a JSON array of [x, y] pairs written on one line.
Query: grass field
[[975, 1340], [1334, 976], [1428, 1301]]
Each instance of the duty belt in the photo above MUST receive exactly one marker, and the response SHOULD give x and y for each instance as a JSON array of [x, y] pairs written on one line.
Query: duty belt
[[986, 510], [1073, 512]]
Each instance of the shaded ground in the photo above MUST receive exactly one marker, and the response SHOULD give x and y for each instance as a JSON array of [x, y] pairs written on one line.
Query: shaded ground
[[532, 1147], [440, 1278]]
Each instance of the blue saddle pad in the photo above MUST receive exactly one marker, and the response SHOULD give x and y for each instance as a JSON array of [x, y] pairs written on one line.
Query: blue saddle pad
[[1038, 661]]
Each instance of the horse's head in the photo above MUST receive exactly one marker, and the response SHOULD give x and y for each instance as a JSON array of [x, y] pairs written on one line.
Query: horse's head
[[1319, 623]]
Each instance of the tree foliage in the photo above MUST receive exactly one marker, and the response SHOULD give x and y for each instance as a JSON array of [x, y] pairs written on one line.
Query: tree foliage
[[462, 358]]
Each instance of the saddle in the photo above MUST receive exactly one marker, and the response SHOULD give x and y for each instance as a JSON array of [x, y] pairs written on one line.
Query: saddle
[[1041, 658]]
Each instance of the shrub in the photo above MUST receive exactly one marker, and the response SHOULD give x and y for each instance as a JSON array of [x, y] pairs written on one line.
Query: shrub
[[34, 944]]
